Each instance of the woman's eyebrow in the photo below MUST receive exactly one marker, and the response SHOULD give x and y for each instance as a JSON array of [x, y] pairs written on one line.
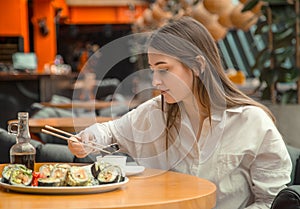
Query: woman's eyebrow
[[158, 63]]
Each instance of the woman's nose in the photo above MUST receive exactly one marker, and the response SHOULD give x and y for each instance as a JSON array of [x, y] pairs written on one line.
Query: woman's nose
[[156, 81]]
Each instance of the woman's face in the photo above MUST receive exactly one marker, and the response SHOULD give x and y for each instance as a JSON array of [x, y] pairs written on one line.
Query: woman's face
[[170, 76]]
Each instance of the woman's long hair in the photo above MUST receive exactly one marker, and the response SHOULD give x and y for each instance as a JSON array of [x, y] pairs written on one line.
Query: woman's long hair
[[188, 41]]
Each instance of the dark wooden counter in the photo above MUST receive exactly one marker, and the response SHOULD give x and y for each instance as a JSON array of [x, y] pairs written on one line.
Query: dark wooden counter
[[16, 76]]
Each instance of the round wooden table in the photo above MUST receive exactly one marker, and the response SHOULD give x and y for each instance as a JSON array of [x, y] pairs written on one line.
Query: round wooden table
[[153, 189]]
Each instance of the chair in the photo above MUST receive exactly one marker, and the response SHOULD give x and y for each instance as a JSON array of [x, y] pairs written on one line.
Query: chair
[[9, 108], [295, 175], [289, 197]]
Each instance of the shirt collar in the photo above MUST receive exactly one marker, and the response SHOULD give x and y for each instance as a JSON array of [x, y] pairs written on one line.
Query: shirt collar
[[218, 116]]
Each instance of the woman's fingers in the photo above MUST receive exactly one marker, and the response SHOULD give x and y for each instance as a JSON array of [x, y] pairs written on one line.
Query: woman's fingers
[[77, 148], [81, 155]]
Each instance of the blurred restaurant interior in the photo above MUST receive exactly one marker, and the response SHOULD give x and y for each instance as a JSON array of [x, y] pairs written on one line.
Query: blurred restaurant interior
[[45, 45]]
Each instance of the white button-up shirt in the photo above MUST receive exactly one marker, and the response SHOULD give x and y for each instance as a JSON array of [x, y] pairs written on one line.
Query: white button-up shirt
[[241, 151]]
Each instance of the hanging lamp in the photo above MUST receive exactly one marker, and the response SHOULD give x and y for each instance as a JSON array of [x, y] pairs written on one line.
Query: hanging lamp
[[200, 13], [217, 6], [242, 20]]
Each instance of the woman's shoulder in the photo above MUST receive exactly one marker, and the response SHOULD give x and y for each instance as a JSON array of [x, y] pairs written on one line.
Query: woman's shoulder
[[250, 115], [252, 124], [249, 111]]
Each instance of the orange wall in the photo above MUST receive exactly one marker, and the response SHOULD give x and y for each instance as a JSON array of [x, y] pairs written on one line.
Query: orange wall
[[14, 20], [102, 15], [44, 46]]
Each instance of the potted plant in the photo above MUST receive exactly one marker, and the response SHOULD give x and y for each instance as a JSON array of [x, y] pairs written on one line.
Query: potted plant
[[278, 63]]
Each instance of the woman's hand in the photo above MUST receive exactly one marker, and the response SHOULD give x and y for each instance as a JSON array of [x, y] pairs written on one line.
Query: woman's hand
[[77, 145]]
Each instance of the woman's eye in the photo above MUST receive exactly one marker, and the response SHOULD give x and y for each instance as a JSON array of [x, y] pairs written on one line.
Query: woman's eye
[[163, 71], [159, 71]]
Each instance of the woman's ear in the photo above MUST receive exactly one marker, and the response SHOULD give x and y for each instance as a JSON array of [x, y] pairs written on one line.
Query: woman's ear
[[202, 62]]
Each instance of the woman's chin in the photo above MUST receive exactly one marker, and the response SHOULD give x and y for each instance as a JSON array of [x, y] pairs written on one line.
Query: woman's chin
[[170, 102], [169, 99]]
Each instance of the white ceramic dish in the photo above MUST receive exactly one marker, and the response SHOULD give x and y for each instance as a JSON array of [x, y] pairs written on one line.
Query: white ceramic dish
[[133, 170], [65, 190], [129, 170]]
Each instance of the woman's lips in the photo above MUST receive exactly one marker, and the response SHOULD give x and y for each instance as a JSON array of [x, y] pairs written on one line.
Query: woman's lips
[[164, 91]]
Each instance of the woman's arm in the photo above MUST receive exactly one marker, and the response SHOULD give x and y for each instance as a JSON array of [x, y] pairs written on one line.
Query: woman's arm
[[128, 131], [270, 171]]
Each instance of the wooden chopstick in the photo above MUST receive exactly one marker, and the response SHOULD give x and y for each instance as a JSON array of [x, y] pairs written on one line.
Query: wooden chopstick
[[60, 131], [57, 135], [77, 137], [69, 134]]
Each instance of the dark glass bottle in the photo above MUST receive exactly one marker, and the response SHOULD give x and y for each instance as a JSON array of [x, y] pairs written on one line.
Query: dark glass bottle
[[22, 152]]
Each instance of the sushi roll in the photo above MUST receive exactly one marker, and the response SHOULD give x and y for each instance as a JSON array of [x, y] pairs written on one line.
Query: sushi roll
[[77, 176], [110, 174], [59, 173], [49, 182], [95, 169], [45, 170], [21, 176], [6, 173], [98, 166]]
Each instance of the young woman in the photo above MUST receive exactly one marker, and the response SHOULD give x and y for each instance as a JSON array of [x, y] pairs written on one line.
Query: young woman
[[201, 124]]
